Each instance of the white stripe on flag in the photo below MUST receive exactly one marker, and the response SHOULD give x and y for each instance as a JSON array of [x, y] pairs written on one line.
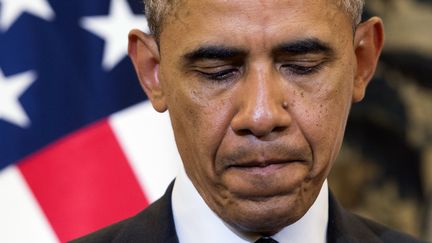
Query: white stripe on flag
[[21, 219], [147, 139]]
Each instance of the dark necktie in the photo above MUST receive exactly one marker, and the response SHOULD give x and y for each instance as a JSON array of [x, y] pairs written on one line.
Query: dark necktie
[[265, 240]]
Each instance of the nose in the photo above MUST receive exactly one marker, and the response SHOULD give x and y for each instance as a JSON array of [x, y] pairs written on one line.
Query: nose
[[262, 107]]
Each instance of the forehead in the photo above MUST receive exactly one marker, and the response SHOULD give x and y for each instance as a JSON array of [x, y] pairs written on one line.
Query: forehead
[[185, 6], [259, 23]]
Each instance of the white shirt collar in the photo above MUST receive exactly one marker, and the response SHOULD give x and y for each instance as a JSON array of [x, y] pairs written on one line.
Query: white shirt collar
[[195, 222]]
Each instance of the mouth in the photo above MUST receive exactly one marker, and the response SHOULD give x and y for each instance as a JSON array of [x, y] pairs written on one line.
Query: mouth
[[264, 178], [262, 167]]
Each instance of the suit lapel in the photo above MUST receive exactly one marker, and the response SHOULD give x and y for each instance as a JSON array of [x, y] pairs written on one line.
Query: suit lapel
[[345, 227], [155, 224]]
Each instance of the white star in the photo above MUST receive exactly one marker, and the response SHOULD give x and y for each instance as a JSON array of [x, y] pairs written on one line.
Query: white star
[[114, 29], [10, 10], [11, 89]]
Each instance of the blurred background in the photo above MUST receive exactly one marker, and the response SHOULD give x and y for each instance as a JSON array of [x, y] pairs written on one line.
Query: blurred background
[[81, 148], [384, 170]]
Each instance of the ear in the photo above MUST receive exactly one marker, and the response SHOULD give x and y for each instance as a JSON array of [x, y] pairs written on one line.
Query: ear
[[144, 52], [368, 43]]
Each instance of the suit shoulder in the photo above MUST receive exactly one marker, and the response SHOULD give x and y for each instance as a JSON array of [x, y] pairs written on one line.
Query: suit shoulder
[[387, 234], [344, 226], [153, 224], [107, 234], [141, 222]]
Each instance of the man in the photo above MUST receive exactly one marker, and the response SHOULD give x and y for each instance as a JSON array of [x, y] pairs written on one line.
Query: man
[[258, 94]]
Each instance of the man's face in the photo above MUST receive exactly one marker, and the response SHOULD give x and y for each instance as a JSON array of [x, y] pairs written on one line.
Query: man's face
[[258, 93]]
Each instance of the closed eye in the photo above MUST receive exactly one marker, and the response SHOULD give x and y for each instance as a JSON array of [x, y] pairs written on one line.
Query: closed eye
[[298, 69], [222, 75]]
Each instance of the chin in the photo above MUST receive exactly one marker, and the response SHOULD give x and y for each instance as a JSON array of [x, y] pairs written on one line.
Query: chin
[[265, 216]]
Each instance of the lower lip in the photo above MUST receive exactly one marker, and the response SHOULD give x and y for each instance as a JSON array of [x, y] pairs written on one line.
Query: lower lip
[[262, 170]]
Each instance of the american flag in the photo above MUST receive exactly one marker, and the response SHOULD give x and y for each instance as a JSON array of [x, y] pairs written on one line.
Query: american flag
[[80, 147]]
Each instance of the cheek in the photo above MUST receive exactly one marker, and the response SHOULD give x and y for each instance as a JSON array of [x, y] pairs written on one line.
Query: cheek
[[199, 125], [323, 120]]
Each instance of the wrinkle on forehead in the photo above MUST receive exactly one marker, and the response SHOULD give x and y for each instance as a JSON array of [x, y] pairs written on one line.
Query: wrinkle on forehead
[[181, 6], [260, 15]]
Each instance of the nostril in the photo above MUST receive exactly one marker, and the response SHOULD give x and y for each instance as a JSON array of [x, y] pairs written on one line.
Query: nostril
[[259, 132], [244, 132], [279, 129]]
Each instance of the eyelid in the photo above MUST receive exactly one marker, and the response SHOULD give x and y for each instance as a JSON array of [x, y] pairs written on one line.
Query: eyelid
[[303, 63], [224, 74], [212, 67], [296, 69]]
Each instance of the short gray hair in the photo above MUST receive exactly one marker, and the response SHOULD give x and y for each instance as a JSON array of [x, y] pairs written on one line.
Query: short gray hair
[[157, 10], [354, 9]]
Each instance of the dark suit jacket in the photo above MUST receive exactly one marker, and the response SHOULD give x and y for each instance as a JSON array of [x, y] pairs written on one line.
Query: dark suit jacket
[[156, 225]]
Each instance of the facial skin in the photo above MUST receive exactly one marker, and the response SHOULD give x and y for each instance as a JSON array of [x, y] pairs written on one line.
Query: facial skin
[[258, 94]]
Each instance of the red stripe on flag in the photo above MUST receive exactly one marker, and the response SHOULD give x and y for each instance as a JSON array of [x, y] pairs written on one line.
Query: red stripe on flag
[[84, 182]]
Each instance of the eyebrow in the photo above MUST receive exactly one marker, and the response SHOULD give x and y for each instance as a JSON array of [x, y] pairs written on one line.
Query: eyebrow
[[304, 46], [216, 52], [221, 52]]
